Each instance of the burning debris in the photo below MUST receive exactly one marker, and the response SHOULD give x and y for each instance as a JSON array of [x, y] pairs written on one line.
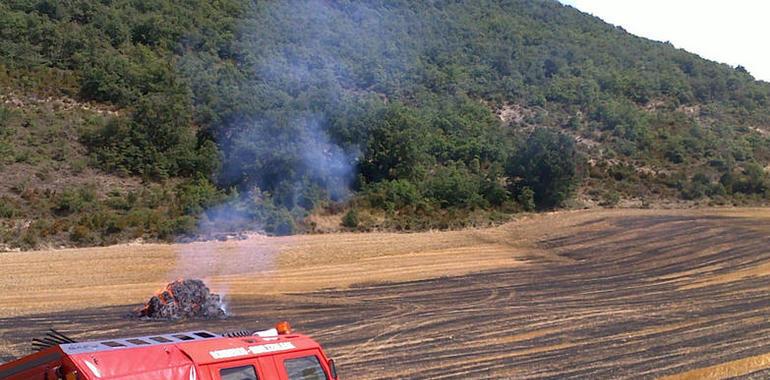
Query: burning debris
[[183, 299]]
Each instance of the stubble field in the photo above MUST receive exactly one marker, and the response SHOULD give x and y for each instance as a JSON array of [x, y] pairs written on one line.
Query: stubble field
[[582, 294]]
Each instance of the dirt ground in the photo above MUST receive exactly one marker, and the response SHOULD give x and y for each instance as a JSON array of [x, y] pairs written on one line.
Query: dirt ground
[[581, 294]]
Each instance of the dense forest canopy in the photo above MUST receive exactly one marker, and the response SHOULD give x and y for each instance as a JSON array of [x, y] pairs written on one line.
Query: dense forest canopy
[[414, 114]]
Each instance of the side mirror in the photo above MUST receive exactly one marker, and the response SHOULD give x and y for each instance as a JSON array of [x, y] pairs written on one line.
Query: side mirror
[[333, 369]]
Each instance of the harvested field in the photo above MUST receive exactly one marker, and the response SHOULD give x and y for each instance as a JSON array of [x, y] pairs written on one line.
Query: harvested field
[[588, 294]]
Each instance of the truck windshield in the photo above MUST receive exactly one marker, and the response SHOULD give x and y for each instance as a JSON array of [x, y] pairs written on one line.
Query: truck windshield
[[246, 372], [304, 368]]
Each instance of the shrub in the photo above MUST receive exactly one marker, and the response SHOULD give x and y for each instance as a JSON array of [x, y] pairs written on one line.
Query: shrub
[[280, 223], [610, 198], [185, 225], [7, 209], [547, 164], [78, 166], [194, 197], [454, 186], [697, 188], [393, 195], [81, 234], [675, 153], [118, 202], [495, 193], [29, 239], [351, 219], [68, 202], [526, 198], [113, 225], [753, 180]]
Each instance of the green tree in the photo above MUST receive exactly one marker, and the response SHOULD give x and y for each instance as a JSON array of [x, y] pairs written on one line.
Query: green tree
[[546, 163], [397, 146]]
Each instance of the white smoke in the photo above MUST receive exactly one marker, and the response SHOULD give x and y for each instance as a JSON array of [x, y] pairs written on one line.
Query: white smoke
[[262, 146]]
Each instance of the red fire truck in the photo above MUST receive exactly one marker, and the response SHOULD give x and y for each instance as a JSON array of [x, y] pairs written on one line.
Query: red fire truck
[[275, 354]]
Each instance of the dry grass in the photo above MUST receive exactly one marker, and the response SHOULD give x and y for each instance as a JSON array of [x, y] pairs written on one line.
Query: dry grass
[[58, 280], [729, 370]]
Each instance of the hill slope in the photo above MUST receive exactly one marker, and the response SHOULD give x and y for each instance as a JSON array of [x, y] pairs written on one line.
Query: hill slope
[[223, 115]]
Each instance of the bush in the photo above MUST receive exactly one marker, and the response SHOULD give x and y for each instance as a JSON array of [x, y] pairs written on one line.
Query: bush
[[526, 198], [675, 153], [495, 193], [753, 180], [119, 202], [193, 197], [393, 195], [113, 225], [698, 187], [81, 234], [351, 219], [68, 202], [78, 166], [280, 223], [454, 186], [185, 225], [7, 209], [30, 239], [547, 164], [610, 198]]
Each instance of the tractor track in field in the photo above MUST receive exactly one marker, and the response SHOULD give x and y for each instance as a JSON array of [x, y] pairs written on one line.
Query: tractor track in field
[[619, 296]]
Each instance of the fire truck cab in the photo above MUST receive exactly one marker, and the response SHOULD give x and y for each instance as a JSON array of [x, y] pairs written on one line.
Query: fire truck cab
[[275, 354]]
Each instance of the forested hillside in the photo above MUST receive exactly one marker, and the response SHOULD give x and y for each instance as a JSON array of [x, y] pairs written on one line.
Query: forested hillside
[[124, 119]]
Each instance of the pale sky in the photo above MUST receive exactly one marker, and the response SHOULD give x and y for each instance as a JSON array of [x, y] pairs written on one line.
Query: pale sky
[[733, 32]]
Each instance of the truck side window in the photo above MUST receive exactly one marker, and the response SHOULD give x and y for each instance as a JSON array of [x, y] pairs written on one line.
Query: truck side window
[[304, 368], [246, 372]]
